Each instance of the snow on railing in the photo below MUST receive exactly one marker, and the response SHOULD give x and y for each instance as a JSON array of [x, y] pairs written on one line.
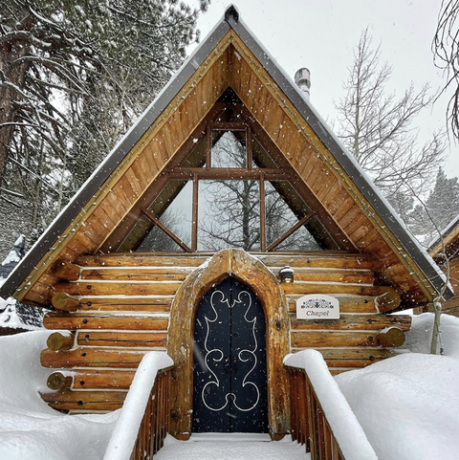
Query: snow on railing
[[321, 417], [142, 423]]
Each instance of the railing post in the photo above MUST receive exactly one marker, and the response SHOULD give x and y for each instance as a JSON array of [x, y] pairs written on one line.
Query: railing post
[[313, 392]]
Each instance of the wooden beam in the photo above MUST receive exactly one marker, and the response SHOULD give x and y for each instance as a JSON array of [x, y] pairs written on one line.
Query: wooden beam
[[62, 301], [169, 233], [299, 224], [65, 270], [105, 321], [57, 341], [391, 337]]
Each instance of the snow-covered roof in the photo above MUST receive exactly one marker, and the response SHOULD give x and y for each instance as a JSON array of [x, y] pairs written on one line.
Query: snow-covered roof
[[13, 314], [404, 244]]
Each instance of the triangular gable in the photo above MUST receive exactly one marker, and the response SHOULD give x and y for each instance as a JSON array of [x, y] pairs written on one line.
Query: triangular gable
[[230, 57]]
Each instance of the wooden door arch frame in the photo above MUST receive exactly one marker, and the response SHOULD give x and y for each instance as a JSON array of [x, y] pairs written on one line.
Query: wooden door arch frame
[[250, 271]]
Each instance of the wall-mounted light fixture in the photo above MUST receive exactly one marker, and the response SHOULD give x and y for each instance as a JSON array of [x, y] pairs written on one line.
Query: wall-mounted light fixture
[[286, 274]]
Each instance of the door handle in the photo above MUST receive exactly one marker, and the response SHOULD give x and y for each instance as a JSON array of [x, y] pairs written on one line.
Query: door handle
[[235, 363]]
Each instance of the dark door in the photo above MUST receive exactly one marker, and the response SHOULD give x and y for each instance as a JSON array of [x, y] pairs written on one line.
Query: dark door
[[230, 385]]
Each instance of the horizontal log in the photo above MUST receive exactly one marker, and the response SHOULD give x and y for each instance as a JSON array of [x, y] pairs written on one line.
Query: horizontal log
[[333, 276], [338, 371], [391, 337], [362, 353], [63, 301], [152, 304], [85, 400], [91, 357], [65, 270], [57, 341], [314, 339], [337, 260], [348, 304], [387, 298], [142, 260], [352, 364], [105, 321], [354, 322], [57, 381], [122, 339], [137, 274], [128, 289], [103, 379]]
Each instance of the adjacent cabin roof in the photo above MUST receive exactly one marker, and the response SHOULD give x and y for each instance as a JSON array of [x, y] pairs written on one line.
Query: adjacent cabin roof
[[14, 316], [447, 241], [231, 58]]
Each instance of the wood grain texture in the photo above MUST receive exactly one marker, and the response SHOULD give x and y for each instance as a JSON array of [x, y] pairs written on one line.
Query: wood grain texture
[[240, 265], [105, 321]]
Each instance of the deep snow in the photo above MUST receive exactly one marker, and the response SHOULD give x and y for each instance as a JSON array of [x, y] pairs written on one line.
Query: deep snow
[[408, 407], [29, 428]]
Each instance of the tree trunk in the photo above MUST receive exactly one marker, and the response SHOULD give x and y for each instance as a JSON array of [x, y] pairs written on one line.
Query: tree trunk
[[12, 78]]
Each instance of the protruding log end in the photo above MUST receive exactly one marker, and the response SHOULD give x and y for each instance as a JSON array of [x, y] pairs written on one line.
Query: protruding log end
[[63, 301], [57, 381], [56, 341], [65, 270], [388, 301], [391, 337]]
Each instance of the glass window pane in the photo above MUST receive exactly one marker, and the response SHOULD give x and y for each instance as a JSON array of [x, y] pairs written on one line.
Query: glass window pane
[[173, 207], [261, 158], [157, 241], [229, 149], [301, 240], [229, 215], [283, 209], [197, 158], [321, 235]]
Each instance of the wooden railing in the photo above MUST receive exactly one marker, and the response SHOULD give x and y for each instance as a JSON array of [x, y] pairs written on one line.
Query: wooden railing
[[143, 422], [320, 417]]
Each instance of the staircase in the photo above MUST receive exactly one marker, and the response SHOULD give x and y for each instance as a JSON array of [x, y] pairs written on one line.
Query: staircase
[[214, 446]]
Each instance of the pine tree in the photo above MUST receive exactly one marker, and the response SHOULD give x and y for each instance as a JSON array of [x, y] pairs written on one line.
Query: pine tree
[[441, 206], [73, 75]]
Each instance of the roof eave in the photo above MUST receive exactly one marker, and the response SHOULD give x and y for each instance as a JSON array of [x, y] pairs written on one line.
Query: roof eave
[[106, 168], [346, 160]]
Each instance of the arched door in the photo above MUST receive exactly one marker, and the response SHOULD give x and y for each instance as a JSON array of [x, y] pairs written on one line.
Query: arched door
[[230, 384]]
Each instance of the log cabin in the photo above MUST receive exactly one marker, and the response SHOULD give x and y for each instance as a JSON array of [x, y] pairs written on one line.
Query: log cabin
[[228, 227], [445, 251]]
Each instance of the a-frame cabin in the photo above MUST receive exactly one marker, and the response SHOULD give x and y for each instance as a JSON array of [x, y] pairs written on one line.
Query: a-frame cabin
[[227, 177]]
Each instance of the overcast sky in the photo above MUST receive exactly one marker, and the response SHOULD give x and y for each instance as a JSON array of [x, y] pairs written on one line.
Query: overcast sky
[[322, 34]]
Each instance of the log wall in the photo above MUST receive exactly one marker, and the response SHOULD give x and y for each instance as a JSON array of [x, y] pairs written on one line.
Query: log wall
[[124, 306]]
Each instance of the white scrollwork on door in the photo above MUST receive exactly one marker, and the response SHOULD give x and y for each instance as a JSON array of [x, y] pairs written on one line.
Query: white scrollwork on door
[[216, 355]]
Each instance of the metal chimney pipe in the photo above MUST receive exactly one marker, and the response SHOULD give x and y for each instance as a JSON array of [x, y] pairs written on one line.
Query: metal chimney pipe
[[303, 81]]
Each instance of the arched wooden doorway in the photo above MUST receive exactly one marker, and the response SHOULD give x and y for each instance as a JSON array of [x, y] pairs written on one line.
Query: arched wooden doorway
[[229, 372], [250, 271]]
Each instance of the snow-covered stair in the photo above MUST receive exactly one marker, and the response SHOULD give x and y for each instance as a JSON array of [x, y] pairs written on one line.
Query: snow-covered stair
[[237, 446]]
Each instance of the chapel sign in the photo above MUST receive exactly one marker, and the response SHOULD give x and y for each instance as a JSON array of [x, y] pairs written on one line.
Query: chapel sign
[[317, 306]]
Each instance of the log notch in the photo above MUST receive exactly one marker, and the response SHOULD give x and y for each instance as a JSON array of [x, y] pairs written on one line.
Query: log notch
[[391, 337], [57, 341], [64, 302], [113, 330], [57, 381], [65, 270]]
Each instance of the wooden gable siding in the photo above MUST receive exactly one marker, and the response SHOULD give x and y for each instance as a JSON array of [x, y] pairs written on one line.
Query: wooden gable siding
[[232, 64], [138, 171], [124, 309], [321, 173]]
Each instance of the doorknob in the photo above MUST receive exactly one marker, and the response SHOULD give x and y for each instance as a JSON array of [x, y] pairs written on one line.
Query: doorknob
[[235, 363]]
